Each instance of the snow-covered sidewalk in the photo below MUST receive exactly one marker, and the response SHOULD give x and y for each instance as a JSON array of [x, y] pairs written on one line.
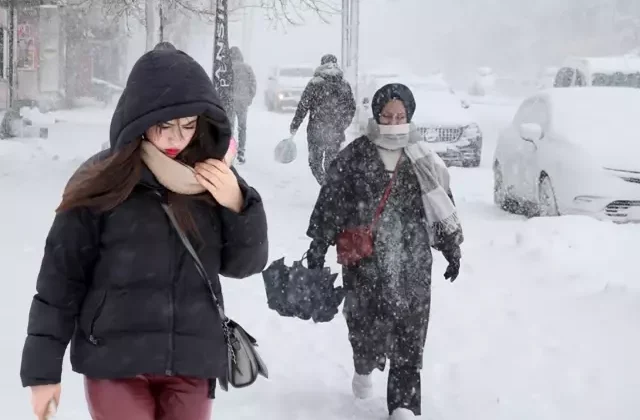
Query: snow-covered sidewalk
[[541, 324]]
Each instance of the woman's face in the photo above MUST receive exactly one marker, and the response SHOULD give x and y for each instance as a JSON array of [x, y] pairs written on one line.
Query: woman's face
[[393, 113], [173, 136]]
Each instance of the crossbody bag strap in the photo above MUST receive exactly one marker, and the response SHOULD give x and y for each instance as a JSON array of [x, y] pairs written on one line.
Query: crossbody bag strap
[[385, 196], [196, 260]]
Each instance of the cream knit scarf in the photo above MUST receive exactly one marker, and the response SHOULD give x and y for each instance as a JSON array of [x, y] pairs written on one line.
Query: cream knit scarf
[[174, 175]]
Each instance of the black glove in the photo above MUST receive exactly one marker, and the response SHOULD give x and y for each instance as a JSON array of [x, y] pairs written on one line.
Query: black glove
[[315, 254], [315, 262], [453, 258]]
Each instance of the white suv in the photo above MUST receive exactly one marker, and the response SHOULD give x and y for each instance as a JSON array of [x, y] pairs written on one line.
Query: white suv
[[285, 86]]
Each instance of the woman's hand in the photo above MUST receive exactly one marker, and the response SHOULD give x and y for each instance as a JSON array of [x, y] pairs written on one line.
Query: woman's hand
[[221, 182], [41, 396]]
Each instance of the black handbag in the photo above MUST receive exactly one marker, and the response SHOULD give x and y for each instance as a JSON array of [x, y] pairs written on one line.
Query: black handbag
[[244, 364]]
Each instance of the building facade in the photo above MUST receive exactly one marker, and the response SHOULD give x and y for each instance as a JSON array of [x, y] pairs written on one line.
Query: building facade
[[60, 54]]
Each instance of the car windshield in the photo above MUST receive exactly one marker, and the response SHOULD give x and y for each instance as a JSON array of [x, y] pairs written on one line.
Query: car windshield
[[296, 72], [617, 79]]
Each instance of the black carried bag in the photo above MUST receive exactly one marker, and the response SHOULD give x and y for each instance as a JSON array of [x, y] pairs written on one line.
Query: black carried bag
[[244, 363]]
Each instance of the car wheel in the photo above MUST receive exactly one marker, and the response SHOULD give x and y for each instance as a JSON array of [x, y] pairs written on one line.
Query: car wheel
[[500, 195], [547, 202], [499, 192]]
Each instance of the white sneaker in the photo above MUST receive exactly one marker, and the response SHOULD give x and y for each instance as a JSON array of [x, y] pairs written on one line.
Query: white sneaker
[[402, 414], [362, 386]]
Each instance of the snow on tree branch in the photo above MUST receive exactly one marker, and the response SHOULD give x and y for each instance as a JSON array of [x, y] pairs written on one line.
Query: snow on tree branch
[[290, 11], [279, 11]]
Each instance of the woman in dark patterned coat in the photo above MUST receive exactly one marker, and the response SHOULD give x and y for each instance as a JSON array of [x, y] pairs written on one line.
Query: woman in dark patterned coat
[[389, 292]]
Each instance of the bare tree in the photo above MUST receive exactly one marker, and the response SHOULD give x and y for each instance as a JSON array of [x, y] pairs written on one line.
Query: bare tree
[[291, 11], [279, 11]]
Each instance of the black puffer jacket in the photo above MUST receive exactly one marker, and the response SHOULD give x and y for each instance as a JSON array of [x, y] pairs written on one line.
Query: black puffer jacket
[[120, 284], [329, 101]]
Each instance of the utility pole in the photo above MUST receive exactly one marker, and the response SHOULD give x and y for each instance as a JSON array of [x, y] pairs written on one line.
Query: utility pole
[[355, 45], [222, 72], [350, 40], [344, 60], [247, 25], [350, 43], [11, 73], [162, 22]]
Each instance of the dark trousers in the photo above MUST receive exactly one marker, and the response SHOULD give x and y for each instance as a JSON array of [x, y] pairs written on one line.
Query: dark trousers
[[375, 336], [148, 397], [240, 112], [324, 146]]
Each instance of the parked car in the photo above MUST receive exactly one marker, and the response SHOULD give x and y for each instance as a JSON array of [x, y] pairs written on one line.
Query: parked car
[[546, 77], [285, 86], [572, 151], [619, 71], [484, 82]]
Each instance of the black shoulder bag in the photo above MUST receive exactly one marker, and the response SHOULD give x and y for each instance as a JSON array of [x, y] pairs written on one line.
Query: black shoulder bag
[[244, 364]]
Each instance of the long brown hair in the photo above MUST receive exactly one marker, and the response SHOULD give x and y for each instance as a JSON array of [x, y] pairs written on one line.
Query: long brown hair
[[105, 184]]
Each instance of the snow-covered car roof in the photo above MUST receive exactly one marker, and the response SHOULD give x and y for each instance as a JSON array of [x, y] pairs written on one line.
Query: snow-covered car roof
[[609, 65], [600, 97], [431, 82], [597, 118], [436, 83], [297, 67], [437, 104]]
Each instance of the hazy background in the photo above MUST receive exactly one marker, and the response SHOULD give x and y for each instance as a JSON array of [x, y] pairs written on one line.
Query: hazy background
[[516, 38]]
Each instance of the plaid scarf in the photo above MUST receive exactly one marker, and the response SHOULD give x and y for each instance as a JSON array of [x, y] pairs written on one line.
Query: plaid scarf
[[433, 176]]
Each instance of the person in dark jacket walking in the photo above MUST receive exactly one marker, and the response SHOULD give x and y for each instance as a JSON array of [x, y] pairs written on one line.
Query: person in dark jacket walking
[[391, 172], [117, 282], [244, 90], [331, 106]]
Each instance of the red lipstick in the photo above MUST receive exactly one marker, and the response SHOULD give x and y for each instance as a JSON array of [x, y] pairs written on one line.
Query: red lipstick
[[172, 152]]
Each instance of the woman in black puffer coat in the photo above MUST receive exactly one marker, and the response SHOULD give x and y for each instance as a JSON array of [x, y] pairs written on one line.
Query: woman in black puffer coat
[[115, 278]]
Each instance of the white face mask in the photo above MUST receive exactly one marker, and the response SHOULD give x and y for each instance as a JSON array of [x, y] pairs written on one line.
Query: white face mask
[[394, 130], [390, 137]]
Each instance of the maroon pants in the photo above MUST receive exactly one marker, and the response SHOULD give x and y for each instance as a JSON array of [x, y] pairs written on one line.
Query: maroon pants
[[148, 397]]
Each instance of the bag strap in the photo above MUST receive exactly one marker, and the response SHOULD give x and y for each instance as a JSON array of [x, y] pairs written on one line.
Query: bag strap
[[196, 260], [387, 193]]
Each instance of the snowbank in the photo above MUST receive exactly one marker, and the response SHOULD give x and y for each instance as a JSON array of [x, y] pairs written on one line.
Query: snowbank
[[541, 324], [87, 115], [36, 117], [576, 254]]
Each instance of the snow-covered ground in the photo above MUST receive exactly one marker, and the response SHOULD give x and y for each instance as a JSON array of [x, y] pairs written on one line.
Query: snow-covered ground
[[541, 324]]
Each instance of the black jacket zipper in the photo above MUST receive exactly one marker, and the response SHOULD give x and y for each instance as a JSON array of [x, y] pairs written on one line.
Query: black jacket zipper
[[176, 272], [176, 268], [92, 338]]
